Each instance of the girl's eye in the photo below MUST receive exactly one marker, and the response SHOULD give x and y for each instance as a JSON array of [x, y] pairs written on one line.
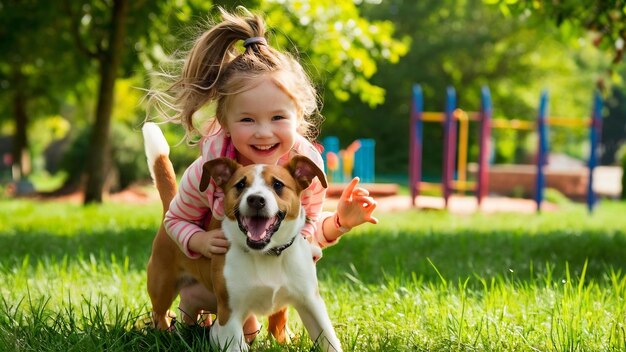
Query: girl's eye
[[246, 119], [277, 117], [278, 186]]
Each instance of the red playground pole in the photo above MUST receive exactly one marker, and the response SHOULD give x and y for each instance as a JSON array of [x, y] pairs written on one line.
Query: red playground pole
[[415, 147], [449, 147], [486, 112]]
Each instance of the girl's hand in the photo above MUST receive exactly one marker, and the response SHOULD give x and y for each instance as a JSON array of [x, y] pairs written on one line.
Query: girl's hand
[[355, 206], [209, 243]]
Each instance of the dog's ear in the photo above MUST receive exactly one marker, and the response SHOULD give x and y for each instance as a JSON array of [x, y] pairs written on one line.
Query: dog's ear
[[220, 170], [304, 170]]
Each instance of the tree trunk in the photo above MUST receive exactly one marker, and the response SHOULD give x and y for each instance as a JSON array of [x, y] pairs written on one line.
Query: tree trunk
[[99, 157], [20, 154]]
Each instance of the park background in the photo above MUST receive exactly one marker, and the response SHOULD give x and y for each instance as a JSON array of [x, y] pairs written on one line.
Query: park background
[[74, 77], [73, 80]]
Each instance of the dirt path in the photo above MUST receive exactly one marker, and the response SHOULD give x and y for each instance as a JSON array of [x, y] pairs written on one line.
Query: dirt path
[[458, 204]]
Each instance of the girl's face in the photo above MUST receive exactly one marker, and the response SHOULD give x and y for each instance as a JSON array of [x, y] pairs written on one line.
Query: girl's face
[[262, 123]]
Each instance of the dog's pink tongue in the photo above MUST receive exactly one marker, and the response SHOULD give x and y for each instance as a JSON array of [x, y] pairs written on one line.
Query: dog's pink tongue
[[257, 227]]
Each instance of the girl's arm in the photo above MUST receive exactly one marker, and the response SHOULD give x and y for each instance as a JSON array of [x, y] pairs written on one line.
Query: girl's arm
[[313, 200], [188, 209], [354, 208]]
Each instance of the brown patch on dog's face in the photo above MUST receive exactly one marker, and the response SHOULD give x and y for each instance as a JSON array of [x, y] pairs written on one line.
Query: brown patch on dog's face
[[235, 187], [286, 189]]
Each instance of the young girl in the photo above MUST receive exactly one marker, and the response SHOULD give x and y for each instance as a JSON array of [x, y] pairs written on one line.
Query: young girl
[[263, 101]]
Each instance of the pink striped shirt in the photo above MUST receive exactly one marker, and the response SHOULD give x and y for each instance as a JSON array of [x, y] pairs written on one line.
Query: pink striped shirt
[[191, 210]]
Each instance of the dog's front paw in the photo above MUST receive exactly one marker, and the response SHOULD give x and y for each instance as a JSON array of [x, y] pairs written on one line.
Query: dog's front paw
[[227, 337]]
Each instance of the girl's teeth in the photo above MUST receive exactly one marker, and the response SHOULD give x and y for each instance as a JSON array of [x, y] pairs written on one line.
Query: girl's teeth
[[264, 147]]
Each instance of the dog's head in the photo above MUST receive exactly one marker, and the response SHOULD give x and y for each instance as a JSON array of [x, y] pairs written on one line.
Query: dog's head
[[262, 202]]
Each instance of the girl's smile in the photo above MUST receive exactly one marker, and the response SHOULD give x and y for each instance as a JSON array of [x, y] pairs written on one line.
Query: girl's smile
[[262, 123]]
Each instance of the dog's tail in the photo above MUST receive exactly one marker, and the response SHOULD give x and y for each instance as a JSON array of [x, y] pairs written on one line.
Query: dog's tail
[[161, 169]]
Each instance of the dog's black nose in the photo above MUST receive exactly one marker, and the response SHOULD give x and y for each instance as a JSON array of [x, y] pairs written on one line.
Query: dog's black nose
[[256, 202]]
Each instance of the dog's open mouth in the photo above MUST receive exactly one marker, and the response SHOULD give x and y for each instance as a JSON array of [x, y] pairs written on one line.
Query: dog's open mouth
[[259, 229]]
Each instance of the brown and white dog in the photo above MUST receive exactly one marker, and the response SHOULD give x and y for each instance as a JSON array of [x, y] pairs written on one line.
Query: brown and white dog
[[268, 265]]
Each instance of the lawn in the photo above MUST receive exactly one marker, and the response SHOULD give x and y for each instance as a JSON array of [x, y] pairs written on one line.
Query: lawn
[[74, 280]]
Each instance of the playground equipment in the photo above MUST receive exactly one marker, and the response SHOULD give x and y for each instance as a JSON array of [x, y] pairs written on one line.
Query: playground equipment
[[448, 118], [452, 115], [595, 127], [357, 159]]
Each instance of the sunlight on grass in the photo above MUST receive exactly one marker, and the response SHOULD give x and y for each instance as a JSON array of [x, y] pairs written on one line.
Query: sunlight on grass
[[75, 280]]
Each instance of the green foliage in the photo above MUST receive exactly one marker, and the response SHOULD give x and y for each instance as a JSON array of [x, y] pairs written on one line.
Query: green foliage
[[36, 58], [128, 160], [362, 54], [344, 49], [128, 155], [74, 159], [553, 196], [63, 74], [604, 20], [181, 154], [466, 44], [613, 131]]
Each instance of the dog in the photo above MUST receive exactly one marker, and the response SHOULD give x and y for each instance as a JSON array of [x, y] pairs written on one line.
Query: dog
[[268, 264]]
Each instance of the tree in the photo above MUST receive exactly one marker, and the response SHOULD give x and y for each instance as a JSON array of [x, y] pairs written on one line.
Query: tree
[[106, 27], [604, 19], [37, 68], [109, 39], [104, 31], [107, 51]]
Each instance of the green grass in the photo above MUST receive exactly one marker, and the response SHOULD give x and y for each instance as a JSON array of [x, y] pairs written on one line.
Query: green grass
[[73, 279]]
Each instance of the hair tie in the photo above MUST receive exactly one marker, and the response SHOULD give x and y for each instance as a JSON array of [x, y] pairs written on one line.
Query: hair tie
[[254, 40]]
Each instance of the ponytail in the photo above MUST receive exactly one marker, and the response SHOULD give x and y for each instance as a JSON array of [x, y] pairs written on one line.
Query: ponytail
[[215, 69], [206, 62]]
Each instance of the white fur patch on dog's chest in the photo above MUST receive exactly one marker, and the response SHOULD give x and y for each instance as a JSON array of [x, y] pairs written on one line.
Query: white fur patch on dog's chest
[[264, 300], [264, 284]]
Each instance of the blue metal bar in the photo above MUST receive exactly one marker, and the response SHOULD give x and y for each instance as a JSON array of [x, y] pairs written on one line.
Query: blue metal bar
[[595, 130], [542, 150]]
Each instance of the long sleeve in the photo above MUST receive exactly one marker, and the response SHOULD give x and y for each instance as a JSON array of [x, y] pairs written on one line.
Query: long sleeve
[[313, 199], [188, 210]]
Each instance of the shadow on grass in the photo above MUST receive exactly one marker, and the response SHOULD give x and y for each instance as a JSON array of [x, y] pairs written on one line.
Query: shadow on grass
[[372, 257], [132, 243]]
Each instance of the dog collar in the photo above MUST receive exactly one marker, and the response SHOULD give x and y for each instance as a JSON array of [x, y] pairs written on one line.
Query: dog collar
[[276, 251]]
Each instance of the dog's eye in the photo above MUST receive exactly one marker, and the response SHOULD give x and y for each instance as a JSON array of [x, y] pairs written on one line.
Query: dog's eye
[[240, 185], [277, 185]]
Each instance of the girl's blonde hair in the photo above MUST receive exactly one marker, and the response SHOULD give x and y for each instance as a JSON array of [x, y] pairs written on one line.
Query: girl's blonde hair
[[215, 70]]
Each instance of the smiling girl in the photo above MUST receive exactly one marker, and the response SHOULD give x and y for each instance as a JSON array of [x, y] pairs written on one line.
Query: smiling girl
[[264, 105]]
